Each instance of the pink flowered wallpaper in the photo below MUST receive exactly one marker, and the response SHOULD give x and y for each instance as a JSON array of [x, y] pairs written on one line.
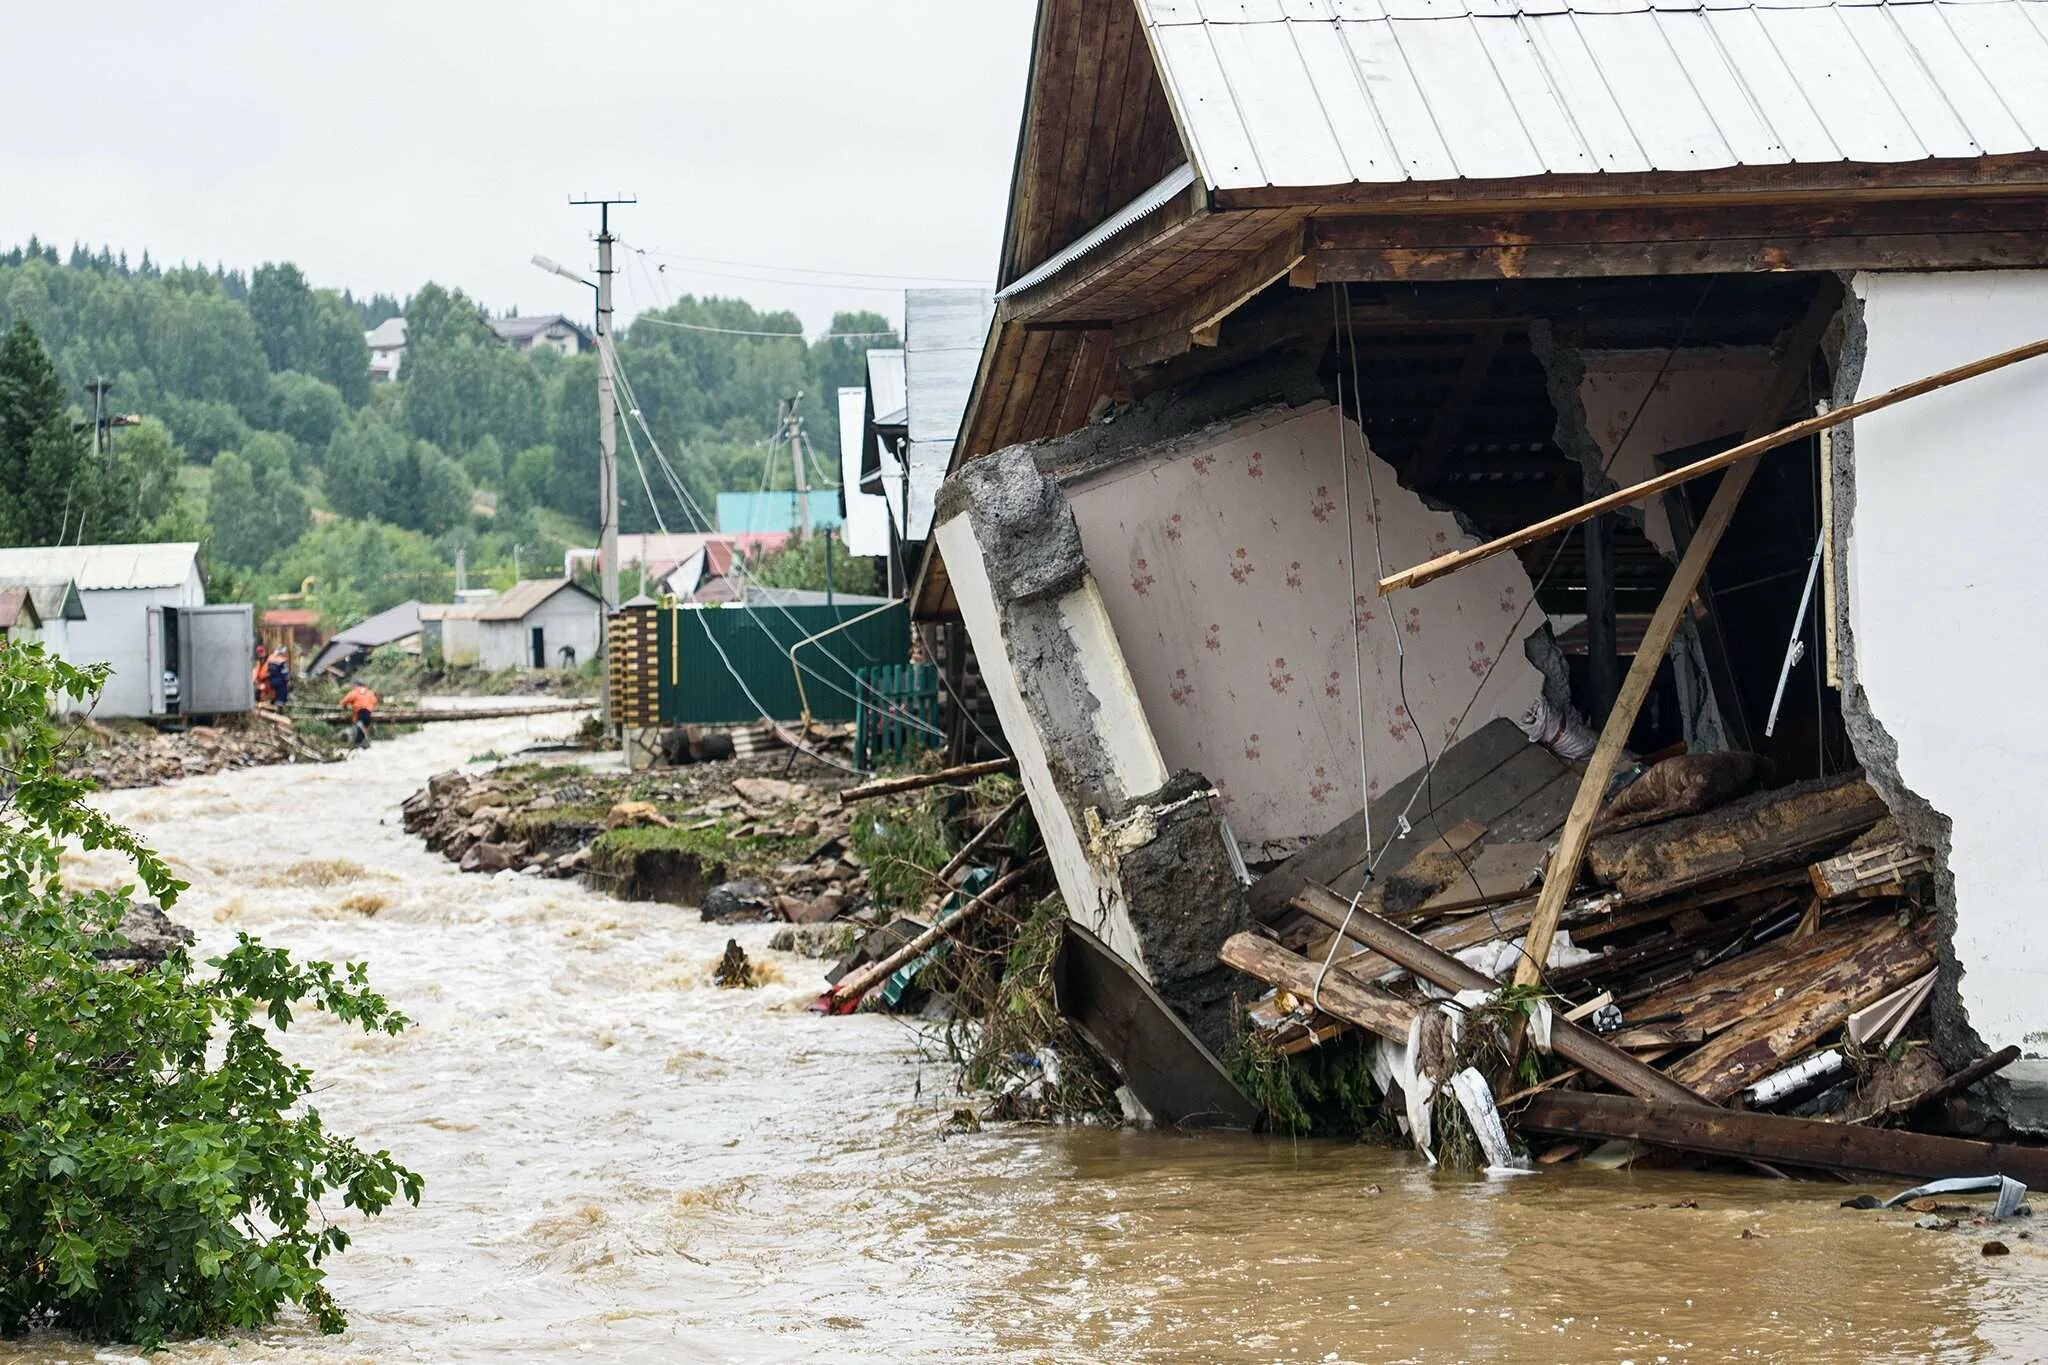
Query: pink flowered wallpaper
[[1226, 577]]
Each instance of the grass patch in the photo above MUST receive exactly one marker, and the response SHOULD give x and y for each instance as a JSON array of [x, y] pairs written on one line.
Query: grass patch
[[741, 854], [903, 847]]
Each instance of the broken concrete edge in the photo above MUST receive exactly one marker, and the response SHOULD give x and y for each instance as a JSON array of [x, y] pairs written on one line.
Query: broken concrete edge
[[1954, 1040], [1165, 890]]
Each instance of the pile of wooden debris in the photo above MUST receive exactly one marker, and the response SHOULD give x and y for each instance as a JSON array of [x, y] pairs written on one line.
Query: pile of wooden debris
[[1750, 972]]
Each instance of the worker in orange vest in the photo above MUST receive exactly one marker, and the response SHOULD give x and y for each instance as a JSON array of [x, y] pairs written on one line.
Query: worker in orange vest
[[358, 704], [259, 676]]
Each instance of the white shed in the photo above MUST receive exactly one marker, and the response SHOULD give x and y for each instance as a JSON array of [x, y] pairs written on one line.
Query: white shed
[[541, 623], [57, 605], [117, 586]]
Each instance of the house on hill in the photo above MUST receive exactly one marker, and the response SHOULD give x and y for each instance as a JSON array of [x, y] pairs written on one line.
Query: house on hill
[[553, 332]]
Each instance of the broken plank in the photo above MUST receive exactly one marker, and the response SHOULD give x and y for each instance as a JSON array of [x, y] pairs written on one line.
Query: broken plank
[[1751, 835], [1772, 1137], [1341, 995], [1567, 1040], [966, 772], [1773, 1032], [1179, 1081], [1343, 848], [1861, 873]]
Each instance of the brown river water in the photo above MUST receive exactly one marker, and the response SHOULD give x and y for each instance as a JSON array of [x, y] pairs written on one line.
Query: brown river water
[[625, 1163]]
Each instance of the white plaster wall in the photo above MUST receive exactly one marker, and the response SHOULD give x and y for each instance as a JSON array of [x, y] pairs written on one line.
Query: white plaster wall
[[567, 618], [1945, 560], [115, 631], [1225, 572], [1703, 394], [1091, 899]]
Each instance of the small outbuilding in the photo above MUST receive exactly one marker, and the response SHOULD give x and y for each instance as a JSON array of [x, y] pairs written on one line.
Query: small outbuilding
[[540, 623], [396, 626], [144, 613]]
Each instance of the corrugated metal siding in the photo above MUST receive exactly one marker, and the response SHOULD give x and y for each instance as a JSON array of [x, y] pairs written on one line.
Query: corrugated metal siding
[[697, 688], [1300, 93]]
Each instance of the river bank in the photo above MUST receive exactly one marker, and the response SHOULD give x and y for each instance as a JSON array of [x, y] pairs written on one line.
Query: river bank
[[626, 1163]]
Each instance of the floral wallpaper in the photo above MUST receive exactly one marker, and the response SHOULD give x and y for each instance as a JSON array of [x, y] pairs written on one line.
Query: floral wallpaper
[[1226, 573]]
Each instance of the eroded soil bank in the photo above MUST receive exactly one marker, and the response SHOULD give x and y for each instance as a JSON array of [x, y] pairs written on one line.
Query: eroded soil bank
[[625, 1163]]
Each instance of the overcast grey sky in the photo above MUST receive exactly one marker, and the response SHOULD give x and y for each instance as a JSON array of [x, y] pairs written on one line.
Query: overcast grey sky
[[383, 143]]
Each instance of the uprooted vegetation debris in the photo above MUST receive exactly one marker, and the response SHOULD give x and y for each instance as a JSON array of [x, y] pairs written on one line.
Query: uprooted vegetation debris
[[122, 754]]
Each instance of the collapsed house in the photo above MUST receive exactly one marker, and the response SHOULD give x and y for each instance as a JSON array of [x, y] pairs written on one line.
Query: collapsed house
[[1297, 297]]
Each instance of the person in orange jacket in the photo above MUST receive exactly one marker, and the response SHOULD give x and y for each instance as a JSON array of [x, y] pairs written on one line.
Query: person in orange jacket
[[259, 676], [359, 703]]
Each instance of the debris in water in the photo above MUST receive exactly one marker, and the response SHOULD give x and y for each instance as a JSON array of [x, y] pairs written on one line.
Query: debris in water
[[1996, 1249], [734, 972]]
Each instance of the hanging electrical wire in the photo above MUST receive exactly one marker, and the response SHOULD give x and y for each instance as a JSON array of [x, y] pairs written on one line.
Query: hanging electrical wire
[[739, 568], [802, 270]]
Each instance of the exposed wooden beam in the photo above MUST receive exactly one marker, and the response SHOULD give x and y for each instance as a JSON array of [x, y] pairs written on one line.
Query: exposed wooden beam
[[1735, 457], [1794, 362], [1170, 331], [1449, 421], [1774, 1138], [2021, 173], [1663, 240]]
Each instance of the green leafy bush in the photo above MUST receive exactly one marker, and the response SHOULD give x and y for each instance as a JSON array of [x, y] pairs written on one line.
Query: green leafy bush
[[159, 1173]]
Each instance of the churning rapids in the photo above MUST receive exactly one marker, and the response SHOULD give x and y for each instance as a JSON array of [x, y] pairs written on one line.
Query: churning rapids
[[625, 1163]]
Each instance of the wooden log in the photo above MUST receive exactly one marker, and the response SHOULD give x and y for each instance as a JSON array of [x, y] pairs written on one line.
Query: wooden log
[[1861, 873], [1733, 457], [1775, 1138], [849, 991], [1753, 836], [1773, 1031], [890, 786], [1369, 964], [1568, 1040], [981, 836], [1959, 1082], [1342, 996], [1794, 360], [421, 716]]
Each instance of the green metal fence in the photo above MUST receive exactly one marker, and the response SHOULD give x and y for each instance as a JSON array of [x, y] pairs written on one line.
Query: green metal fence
[[713, 657], [899, 710]]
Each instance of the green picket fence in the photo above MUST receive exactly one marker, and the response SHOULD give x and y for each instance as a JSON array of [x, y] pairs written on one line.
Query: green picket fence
[[895, 700]]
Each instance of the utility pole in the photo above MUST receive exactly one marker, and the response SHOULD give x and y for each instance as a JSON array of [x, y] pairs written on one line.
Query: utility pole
[[795, 428], [102, 436], [607, 442]]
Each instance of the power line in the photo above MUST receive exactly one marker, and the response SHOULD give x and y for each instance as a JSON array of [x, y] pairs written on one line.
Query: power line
[[806, 270], [744, 332]]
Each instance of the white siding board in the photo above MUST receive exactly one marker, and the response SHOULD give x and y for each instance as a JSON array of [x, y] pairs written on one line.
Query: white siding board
[[1368, 154], [1577, 77], [1941, 54], [1472, 109], [1221, 146], [1772, 86], [1540, 110], [1289, 132], [1663, 112], [1383, 69]]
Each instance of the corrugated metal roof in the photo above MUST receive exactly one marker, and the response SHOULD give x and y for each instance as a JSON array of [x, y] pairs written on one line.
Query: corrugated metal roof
[[866, 531], [1176, 182], [1299, 93], [523, 597], [885, 386], [943, 332], [104, 567], [18, 609], [55, 598]]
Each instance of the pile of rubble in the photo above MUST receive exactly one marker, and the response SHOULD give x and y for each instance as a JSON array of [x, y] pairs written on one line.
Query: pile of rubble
[[118, 756], [1750, 973], [724, 838]]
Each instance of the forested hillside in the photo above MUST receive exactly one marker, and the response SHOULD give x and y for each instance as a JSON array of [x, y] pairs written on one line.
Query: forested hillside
[[263, 435]]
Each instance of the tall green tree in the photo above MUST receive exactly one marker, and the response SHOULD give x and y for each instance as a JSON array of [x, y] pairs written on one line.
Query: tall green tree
[[256, 504], [47, 480]]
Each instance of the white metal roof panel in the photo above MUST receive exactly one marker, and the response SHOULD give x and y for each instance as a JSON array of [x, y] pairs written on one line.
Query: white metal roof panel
[[943, 333], [866, 530], [1301, 93], [99, 568], [885, 385]]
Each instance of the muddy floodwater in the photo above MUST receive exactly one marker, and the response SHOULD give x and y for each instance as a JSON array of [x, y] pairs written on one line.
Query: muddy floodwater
[[625, 1163]]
